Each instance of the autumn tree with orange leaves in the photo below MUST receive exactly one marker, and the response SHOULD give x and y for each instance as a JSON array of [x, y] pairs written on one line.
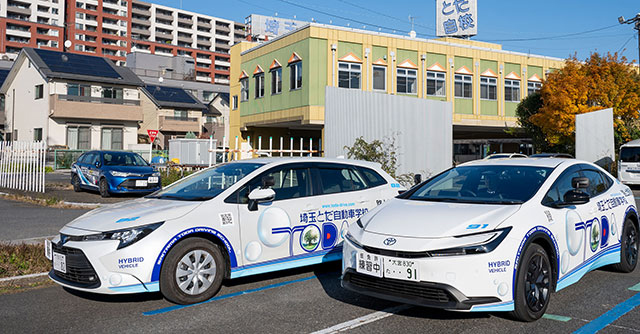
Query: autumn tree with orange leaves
[[598, 83]]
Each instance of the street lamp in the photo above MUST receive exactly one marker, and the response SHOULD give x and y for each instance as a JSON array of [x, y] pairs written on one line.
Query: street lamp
[[635, 20]]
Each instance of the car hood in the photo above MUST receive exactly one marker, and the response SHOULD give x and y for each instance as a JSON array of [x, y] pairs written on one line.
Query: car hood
[[130, 169], [129, 214], [422, 219]]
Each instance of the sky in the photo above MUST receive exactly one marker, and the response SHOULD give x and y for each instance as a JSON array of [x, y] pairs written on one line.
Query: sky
[[559, 28]]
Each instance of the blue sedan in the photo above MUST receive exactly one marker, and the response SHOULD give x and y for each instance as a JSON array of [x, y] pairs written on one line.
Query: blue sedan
[[114, 172]]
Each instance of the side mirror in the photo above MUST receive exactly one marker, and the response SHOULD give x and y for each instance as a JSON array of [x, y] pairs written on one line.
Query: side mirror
[[98, 164], [260, 195], [575, 197], [580, 183], [417, 179], [267, 182]]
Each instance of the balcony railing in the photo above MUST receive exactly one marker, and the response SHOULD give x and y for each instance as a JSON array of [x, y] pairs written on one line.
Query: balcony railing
[[98, 100]]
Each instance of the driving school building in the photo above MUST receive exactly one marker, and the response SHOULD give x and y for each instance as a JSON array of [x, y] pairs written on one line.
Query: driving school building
[[278, 87]]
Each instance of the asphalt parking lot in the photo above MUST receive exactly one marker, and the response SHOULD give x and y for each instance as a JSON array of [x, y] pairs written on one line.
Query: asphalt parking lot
[[308, 300]]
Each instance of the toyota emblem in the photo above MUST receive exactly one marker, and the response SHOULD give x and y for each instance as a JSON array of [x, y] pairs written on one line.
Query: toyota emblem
[[389, 241]]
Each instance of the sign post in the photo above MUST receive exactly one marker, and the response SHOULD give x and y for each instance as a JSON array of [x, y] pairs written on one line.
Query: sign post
[[152, 136]]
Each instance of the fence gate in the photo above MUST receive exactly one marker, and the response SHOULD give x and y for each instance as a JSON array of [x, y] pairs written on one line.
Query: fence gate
[[22, 165]]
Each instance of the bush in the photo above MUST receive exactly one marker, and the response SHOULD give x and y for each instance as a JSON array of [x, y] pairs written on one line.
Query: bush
[[171, 175], [380, 151], [22, 259]]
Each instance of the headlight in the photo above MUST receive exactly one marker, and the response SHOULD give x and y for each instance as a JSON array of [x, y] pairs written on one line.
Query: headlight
[[352, 239], [126, 236], [494, 238], [119, 174]]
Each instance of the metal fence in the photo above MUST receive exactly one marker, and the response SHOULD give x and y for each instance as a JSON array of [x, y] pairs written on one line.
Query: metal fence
[[222, 154], [22, 165]]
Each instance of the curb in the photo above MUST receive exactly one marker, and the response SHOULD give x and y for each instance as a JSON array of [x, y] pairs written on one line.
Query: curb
[[77, 205], [29, 241], [15, 278]]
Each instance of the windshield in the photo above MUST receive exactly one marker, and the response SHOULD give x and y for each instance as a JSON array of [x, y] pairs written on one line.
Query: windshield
[[208, 183], [123, 159], [484, 184], [630, 154]]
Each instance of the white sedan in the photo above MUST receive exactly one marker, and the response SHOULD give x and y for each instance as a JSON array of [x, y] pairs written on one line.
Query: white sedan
[[494, 235], [233, 220]]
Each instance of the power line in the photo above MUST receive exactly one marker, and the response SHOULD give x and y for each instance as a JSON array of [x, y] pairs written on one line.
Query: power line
[[550, 37], [625, 43], [383, 14]]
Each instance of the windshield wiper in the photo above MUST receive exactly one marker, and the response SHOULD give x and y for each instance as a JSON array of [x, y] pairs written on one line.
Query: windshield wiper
[[182, 198]]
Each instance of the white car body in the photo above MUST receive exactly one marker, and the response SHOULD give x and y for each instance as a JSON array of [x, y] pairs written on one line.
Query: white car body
[[254, 242], [405, 238], [629, 163]]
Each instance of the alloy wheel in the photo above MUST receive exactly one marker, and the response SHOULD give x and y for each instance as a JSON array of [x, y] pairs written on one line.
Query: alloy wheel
[[537, 283], [631, 251]]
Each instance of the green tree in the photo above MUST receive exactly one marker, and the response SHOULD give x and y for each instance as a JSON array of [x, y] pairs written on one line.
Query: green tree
[[383, 152], [310, 238]]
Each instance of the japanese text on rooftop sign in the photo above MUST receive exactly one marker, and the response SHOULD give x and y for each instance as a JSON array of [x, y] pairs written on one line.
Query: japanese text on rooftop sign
[[456, 17]]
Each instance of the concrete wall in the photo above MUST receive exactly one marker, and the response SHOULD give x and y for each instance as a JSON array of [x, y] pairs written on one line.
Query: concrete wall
[[422, 128]]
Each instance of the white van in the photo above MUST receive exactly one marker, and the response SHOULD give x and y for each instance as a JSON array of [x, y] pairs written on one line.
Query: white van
[[629, 163]]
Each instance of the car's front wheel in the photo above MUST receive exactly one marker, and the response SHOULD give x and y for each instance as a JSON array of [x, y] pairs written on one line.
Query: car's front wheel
[[533, 284], [192, 271], [104, 188], [75, 182], [628, 248]]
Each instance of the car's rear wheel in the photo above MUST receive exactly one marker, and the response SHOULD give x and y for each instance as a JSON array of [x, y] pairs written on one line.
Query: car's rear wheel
[[75, 182], [104, 188], [628, 248], [192, 271], [533, 284]]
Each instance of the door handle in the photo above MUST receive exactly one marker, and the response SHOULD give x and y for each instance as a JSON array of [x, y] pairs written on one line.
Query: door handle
[[310, 207], [362, 200]]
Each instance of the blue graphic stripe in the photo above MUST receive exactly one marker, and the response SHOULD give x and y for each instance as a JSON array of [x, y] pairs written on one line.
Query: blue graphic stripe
[[239, 293], [337, 249], [611, 316], [307, 261], [506, 306], [606, 251], [134, 288]]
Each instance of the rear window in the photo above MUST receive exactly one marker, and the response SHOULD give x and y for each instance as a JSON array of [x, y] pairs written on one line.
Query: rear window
[[372, 177], [630, 154]]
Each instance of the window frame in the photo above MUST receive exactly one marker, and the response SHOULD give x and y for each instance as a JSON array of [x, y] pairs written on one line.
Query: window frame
[[259, 85], [77, 144], [111, 129], [461, 79], [490, 85], [276, 81], [295, 75], [352, 71], [39, 92], [384, 77], [513, 87], [437, 77], [406, 76], [533, 87], [244, 89]]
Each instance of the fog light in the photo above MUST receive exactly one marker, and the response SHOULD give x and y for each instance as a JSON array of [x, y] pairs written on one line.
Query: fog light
[[115, 279]]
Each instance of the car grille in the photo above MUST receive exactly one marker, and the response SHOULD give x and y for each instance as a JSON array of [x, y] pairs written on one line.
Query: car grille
[[393, 253], [400, 288], [79, 271], [131, 184]]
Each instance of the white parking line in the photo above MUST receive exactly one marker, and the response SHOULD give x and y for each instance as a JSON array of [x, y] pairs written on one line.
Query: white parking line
[[369, 318]]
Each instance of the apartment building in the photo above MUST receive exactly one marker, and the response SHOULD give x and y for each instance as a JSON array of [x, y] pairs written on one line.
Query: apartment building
[[30, 23]]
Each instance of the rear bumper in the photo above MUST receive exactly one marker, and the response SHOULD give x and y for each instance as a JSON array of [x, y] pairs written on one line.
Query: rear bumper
[[435, 295]]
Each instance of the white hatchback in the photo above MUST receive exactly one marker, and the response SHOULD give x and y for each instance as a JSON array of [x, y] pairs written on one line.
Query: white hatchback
[[232, 220]]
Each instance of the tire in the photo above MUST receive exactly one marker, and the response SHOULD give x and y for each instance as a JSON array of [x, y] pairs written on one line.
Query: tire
[[533, 284], [177, 266], [75, 181], [104, 188], [628, 248]]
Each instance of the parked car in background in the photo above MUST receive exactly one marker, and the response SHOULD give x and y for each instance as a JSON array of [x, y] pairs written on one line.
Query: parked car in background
[[231, 220], [629, 163], [498, 235], [552, 155], [114, 172], [504, 156]]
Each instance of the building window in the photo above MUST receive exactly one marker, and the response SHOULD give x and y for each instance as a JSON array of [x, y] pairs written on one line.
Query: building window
[[244, 89], [295, 77], [512, 90], [259, 85], [79, 137], [488, 88], [407, 81], [379, 77], [37, 134], [235, 102], [112, 93], [276, 81], [39, 91], [207, 96], [111, 139], [463, 87], [181, 114], [533, 87], [436, 83], [78, 90], [349, 75]]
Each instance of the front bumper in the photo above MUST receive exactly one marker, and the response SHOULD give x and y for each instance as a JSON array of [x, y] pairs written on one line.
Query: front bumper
[[93, 266], [481, 282], [119, 185]]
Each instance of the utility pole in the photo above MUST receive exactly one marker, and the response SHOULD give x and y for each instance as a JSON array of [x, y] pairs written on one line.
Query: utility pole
[[636, 21]]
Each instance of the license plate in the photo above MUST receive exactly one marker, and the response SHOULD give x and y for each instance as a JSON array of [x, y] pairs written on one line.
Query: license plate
[[370, 264], [48, 249], [401, 269], [153, 179], [60, 262], [141, 183]]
